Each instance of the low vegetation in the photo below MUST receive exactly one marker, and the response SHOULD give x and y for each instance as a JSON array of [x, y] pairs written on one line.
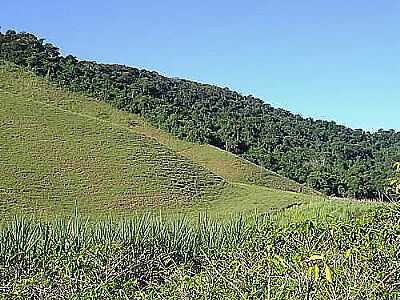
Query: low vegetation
[[333, 257]]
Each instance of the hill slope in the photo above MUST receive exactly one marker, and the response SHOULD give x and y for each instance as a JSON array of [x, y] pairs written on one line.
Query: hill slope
[[324, 155], [52, 157], [59, 147], [231, 167]]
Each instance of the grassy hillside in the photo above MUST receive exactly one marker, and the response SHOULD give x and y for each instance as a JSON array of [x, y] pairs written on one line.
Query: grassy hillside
[[59, 149], [231, 167], [225, 164], [52, 157]]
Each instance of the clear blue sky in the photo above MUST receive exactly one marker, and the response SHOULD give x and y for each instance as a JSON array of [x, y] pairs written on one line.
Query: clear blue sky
[[337, 60]]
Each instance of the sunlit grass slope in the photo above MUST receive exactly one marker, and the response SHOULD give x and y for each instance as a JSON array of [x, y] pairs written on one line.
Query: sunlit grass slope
[[230, 166], [59, 149], [52, 157]]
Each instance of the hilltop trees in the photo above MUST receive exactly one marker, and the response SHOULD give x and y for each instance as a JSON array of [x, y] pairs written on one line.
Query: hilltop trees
[[329, 157]]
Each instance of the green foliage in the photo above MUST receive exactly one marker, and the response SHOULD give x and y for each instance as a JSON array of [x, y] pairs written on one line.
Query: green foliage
[[329, 157], [254, 258], [395, 180]]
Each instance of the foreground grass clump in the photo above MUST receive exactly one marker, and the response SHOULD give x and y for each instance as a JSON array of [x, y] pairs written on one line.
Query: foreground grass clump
[[256, 258]]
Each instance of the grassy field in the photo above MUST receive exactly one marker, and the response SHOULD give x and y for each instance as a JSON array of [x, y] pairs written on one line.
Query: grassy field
[[61, 151]]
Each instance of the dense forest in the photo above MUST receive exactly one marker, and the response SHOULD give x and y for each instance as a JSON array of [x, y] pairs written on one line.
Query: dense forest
[[329, 157]]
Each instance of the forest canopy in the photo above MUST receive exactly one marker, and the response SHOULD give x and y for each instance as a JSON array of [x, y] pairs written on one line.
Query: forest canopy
[[331, 158]]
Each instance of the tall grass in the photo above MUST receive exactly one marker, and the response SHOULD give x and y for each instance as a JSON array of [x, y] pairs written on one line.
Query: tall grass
[[243, 258], [68, 256]]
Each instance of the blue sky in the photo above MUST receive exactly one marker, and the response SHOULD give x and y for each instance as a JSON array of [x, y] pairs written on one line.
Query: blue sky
[[336, 60]]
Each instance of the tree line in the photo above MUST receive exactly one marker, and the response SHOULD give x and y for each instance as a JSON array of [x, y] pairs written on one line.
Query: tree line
[[328, 157]]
